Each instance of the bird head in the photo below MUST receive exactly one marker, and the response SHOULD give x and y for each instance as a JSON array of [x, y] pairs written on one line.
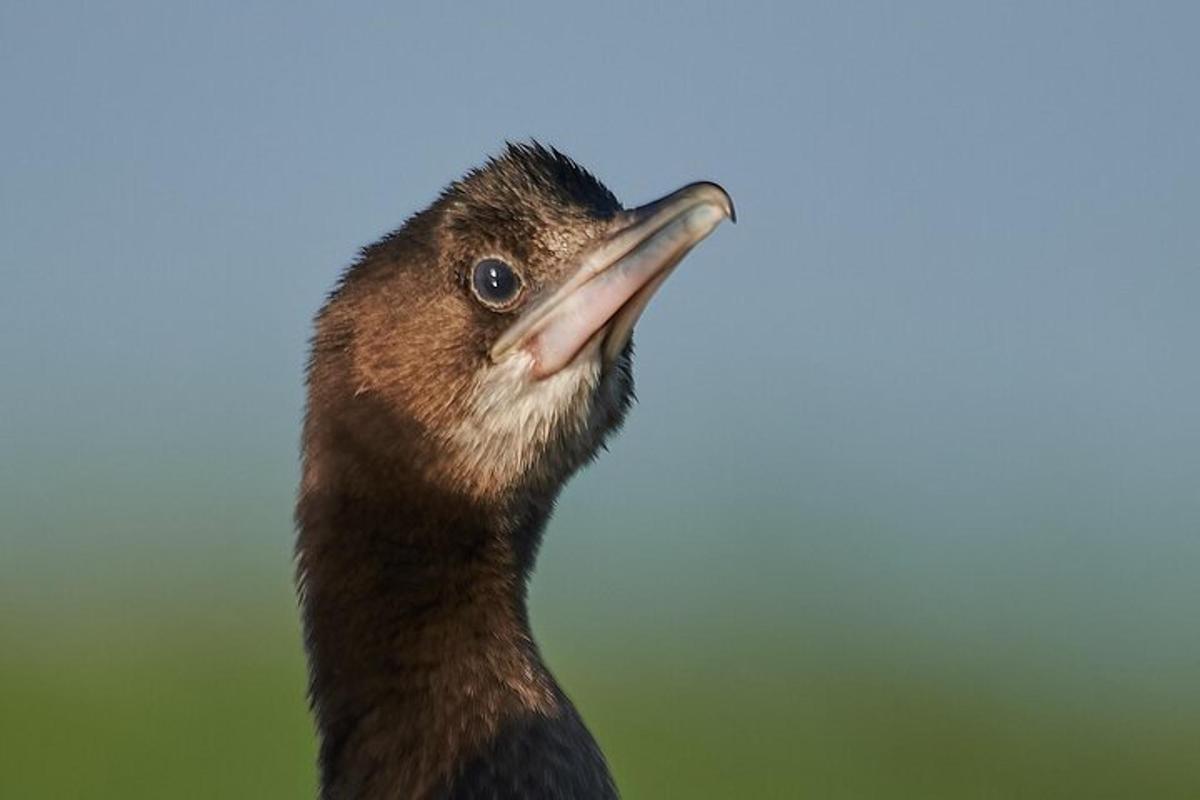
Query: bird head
[[484, 348]]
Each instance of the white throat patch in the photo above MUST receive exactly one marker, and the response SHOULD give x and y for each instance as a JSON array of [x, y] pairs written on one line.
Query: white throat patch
[[512, 418]]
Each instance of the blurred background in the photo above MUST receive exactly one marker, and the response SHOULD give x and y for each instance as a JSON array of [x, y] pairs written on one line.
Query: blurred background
[[910, 505]]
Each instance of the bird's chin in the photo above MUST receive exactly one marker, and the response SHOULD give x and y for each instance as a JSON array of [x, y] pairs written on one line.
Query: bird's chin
[[608, 355], [618, 368], [599, 384], [614, 395], [518, 429]]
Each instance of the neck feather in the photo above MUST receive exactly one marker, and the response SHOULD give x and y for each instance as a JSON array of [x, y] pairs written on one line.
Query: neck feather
[[417, 631]]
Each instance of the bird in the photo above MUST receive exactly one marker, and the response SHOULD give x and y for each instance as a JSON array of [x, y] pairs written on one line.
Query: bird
[[462, 369]]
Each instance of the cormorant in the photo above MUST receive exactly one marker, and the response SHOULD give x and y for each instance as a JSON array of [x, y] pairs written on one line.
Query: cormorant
[[463, 369]]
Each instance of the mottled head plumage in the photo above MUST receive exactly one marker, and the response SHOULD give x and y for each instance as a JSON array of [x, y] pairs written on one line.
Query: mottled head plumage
[[531, 174], [408, 344]]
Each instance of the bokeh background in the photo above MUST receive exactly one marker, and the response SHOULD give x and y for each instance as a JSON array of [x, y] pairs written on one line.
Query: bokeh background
[[910, 506]]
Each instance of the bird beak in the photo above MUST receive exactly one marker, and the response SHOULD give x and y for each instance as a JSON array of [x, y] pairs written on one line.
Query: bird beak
[[605, 294]]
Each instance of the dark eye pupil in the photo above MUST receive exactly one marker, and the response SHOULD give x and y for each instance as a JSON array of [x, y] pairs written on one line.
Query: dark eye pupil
[[495, 282]]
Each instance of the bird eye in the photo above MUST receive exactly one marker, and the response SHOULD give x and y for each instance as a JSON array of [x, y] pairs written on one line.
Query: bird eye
[[495, 283]]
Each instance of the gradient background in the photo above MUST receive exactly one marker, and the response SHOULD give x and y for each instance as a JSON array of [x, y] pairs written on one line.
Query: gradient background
[[910, 506]]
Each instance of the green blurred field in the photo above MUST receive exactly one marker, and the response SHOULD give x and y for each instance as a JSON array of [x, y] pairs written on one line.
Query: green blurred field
[[179, 691]]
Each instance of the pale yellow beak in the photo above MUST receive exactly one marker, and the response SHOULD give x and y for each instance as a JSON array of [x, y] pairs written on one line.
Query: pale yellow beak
[[606, 293]]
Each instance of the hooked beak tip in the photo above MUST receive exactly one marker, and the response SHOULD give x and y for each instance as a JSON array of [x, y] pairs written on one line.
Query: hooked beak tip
[[725, 201]]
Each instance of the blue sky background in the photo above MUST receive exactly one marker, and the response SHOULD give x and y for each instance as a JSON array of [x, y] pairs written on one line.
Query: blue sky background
[[938, 389]]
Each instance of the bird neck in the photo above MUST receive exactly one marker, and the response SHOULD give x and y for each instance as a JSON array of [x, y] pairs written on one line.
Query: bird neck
[[418, 634]]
